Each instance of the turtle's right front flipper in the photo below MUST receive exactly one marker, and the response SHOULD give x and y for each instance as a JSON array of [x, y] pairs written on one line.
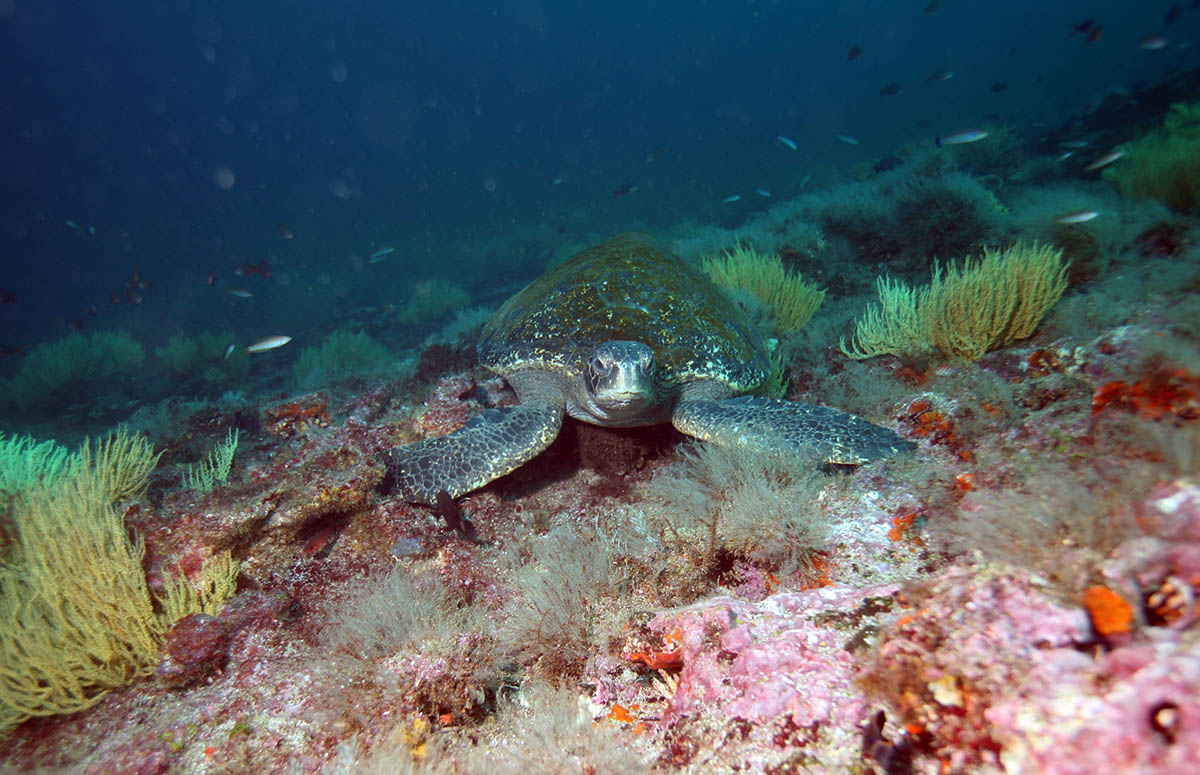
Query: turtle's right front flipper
[[491, 445]]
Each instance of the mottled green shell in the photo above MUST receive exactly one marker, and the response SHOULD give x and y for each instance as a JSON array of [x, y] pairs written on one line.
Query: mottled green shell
[[629, 288]]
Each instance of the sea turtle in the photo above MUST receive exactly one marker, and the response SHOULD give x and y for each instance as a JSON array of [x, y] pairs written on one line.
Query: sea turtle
[[626, 334]]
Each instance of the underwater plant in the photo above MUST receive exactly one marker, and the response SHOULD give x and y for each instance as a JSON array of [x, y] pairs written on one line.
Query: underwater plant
[[1164, 163], [790, 300], [395, 612], [25, 463], [552, 732], [752, 504], [74, 365], [209, 355], [430, 300], [907, 216], [966, 311], [80, 619], [340, 355], [214, 469], [551, 622]]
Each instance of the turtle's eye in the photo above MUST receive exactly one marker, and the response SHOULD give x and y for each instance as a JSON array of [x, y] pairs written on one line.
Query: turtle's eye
[[595, 373]]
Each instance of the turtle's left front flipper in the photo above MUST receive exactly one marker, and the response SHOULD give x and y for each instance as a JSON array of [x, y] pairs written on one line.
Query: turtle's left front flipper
[[490, 445], [772, 424]]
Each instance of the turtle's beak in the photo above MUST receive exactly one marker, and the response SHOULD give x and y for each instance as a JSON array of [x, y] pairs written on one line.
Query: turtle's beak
[[626, 383], [621, 379]]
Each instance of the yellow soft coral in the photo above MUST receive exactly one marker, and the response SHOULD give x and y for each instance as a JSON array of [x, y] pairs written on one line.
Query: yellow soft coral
[[791, 301], [77, 618], [965, 310], [1164, 163]]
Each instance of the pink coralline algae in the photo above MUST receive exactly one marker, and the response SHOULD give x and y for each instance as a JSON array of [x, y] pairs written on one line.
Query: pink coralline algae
[[1136, 710], [777, 675], [971, 637]]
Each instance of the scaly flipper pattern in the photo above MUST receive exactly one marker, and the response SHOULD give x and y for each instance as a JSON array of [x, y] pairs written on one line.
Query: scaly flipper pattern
[[787, 426], [492, 444]]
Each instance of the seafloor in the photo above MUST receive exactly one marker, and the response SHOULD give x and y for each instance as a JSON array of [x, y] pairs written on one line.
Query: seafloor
[[1019, 595]]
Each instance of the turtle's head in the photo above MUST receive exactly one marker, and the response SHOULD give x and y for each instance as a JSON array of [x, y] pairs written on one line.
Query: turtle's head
[[620, 379]]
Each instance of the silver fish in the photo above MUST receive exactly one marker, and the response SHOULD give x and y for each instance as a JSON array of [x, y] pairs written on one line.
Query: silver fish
[[958, 138], [1079, 216], [268, 343], [1104, 161]]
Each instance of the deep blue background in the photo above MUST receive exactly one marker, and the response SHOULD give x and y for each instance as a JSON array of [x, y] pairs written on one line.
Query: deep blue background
[[357, 123]]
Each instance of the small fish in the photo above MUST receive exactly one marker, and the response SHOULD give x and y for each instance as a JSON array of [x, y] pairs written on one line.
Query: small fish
[[655, 154], [762, 192], [116, 297], [1152, 43], [241, 293], [1076, 144], [138, 282], [1104, 161], [72, 224], [790, 143], [244, 269], [854, 53], [75, 324], [1078, 216], [380, 254], [268, 343], [92, 311], [933, 8], [959, 138], [1065, 156], [211, 277], [625, 190], [285, 231], [1083, 27], [847, 139], [229, 351], [9, 350], [1172, 13], [555, 181], [940, 75], [999, 86], [1096, 33], [891, 90], [132, 296], [7, 297], [731, 199]]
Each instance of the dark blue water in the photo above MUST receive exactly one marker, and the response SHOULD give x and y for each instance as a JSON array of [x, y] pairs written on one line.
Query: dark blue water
[[185, 133]]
